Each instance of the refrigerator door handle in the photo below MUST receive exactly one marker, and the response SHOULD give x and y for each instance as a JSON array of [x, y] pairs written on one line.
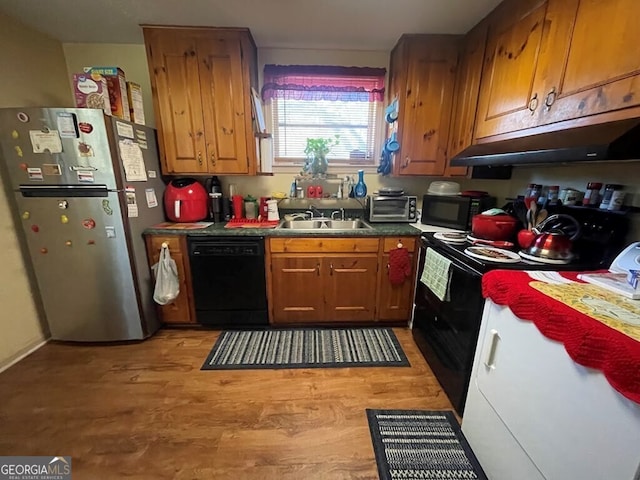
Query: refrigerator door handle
[[63, 190]]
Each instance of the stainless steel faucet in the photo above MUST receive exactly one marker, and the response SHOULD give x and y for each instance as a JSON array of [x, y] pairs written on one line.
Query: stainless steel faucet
[[313, 211], [341, 212]]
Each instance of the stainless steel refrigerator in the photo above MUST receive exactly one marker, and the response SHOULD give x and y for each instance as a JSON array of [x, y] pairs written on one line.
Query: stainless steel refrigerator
[[83, 187]]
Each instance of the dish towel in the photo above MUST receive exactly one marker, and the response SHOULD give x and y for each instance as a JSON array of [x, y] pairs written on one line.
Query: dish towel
[[436, 274]]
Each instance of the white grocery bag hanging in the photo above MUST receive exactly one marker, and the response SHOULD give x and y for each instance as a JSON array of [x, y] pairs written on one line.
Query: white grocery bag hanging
[[167, 285]]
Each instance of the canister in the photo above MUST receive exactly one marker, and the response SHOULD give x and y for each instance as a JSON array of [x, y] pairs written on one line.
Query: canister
[[570, 196], [592, 195], [609, 190], [617, 199]]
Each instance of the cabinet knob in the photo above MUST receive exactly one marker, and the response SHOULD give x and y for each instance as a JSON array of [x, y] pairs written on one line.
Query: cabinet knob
[[200, 158], [533, 103], [551, 98], [213, 159], [318, 269], [407, 161], [331, 269]]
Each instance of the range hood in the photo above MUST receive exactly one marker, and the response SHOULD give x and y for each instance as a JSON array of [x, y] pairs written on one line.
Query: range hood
[[619, 140]]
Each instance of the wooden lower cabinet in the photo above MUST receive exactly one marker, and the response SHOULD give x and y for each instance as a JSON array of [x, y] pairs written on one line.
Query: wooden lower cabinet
[[395, 301], [349, 287], [297, 289], [323, 280], [181, 310]]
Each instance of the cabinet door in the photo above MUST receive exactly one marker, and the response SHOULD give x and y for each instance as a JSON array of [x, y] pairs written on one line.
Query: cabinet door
[[223, 102], [425, 110], [594, 66], [395, 301], [178, 311], [349, 287], [173, 67], [297, 295], [514, 44], [466, 94]]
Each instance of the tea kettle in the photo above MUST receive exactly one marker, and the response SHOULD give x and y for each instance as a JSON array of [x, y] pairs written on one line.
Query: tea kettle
[[554, 238]]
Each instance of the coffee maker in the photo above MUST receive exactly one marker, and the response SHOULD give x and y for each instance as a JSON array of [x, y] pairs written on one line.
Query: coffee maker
[[214, 189]]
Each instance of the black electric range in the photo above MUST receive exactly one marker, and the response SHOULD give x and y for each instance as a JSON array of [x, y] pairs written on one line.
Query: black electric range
[[457, 251], [447, 331]]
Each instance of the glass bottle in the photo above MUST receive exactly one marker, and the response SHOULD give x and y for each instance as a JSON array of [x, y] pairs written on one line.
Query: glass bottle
[[360, 188]]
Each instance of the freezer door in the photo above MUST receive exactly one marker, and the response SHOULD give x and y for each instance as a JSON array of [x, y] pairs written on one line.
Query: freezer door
[[80, 258], [79, 140]]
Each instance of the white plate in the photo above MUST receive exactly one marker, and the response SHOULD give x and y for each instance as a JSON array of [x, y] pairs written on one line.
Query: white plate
[[486, 254], [447, 237], [550, 261]]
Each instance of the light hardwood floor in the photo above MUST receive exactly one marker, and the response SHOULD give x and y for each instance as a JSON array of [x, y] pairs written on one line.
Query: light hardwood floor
[[147, 411]]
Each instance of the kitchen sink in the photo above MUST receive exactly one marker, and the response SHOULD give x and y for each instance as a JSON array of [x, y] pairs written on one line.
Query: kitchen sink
[[323, 224]]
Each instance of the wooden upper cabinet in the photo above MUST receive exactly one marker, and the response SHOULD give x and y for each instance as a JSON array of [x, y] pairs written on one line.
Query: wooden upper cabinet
[[465, 100], [173, 67], [550, 61], [423, 69], [201, 80], [593, 64], [508, 96]]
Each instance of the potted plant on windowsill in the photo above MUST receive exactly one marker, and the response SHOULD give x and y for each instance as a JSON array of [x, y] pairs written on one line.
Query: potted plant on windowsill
[[316, 151]]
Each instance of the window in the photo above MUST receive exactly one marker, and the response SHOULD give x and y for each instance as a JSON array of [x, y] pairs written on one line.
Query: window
[[321, 102]]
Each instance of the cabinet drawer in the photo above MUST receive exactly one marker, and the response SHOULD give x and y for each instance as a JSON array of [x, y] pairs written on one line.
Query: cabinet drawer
[[323, 244], [174, 242], [391, 243]]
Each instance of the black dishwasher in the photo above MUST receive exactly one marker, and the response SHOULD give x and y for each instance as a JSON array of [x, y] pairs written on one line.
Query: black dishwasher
[[228, 277]]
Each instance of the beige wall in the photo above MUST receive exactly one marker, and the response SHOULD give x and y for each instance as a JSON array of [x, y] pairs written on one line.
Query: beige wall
[[33, 73], [131, 58]]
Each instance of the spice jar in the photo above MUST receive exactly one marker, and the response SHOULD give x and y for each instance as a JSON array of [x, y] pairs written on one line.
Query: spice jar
[[609, 189], [535, 191], [527, 192], [617, 199], [552, 195], [592, 195]]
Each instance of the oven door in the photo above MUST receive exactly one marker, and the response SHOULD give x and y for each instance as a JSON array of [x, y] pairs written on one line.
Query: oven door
[[447, 332]]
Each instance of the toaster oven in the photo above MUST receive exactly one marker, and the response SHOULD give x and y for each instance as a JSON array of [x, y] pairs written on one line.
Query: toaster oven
[[400, 208]]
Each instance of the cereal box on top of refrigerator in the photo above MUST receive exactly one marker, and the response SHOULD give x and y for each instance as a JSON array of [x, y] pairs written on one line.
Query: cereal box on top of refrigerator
[[91, 91], [136, 105], [117, 85]]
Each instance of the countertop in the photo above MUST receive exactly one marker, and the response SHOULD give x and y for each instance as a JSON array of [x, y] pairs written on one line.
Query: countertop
[[217, 229]]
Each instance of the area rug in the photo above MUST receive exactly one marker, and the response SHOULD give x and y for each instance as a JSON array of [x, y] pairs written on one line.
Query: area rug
[[421, 444], [306, 348]]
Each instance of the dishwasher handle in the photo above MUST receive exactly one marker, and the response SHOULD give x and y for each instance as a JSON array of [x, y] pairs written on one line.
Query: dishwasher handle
[[226, 247]]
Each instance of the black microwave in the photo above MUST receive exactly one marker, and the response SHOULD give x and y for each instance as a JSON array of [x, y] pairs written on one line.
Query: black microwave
[[453, 211]]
